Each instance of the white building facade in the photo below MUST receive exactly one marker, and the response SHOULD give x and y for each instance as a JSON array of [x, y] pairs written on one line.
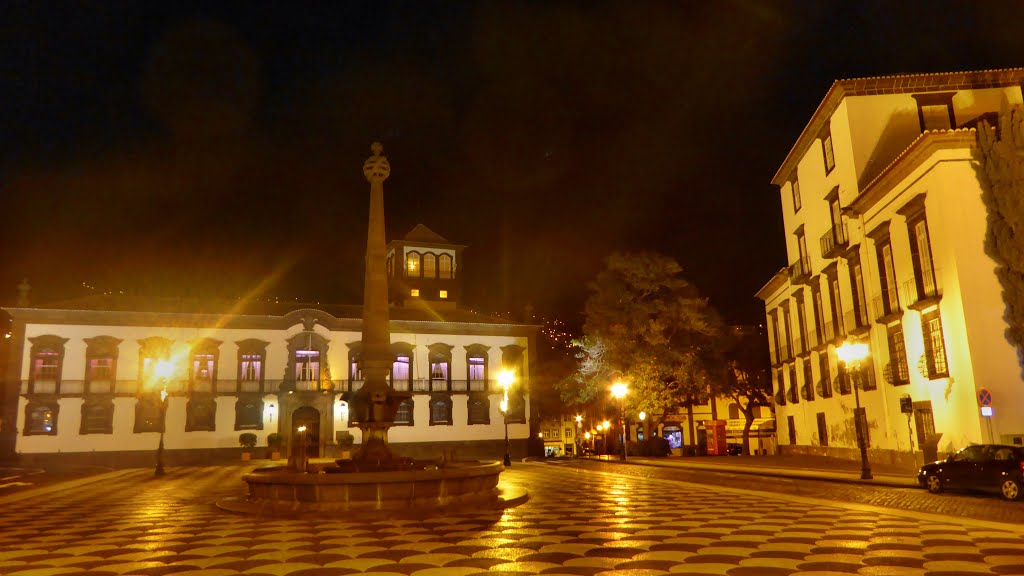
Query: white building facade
[[87, 383], [885, 231]]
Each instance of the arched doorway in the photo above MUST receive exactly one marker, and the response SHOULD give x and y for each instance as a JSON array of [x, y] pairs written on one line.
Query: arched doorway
[[310, 418]]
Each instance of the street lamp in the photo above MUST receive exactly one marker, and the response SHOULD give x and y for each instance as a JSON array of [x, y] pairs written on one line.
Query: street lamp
[[586, 435], [604, 436], [505, 379], [619, 391], [162, 371], [852, 355], [643, 416]]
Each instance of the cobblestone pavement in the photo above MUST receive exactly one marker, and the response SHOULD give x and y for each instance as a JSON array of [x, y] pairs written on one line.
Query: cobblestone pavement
[[578, 522], [964, 505]]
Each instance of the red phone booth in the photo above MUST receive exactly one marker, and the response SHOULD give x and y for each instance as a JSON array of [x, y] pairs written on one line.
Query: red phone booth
[[717, 445]]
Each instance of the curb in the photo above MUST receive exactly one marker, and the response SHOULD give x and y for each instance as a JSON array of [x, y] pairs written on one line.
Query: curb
[[65, 485], [778, 473]]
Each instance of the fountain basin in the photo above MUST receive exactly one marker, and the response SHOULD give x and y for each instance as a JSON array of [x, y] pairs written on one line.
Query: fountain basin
[[277, 489]]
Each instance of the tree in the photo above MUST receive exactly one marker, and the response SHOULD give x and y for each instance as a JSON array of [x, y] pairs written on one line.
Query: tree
[[1000, 167], [748, 380], [648, 325]]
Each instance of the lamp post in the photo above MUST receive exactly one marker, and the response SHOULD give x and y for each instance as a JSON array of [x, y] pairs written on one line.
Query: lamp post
[[604, 436], [619, 391], [505, 379], [162, 371], [852, 355], [643, 416]]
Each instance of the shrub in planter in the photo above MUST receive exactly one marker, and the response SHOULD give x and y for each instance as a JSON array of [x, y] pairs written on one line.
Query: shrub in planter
[[274, 444], [248, 441], [345, 442]]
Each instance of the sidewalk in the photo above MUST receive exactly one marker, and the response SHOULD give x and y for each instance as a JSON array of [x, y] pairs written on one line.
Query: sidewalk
[[807, 467]]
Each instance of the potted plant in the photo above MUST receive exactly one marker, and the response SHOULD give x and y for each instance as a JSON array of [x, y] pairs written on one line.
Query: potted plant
[[248, 441], [274, 444], [345, 442]]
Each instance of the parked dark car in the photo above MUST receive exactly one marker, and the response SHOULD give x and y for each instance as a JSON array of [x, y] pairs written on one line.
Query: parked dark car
[[988, 467], [734, 449]]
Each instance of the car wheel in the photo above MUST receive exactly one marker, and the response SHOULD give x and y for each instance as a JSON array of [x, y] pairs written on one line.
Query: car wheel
[[933, 483], [1010, 489]]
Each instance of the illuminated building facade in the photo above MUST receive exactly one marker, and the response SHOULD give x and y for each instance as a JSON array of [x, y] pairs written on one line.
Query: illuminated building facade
[[885, 230], [84, 381]]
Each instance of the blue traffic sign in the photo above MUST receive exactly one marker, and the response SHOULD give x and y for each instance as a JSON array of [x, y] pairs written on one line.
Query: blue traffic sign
[[984, 397]]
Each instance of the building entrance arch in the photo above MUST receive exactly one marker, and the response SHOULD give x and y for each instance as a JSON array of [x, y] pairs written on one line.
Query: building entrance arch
[[310, 418]]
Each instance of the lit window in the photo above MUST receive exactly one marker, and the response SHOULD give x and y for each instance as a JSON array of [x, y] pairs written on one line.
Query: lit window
[[307, 365], [444, 294], [413, 264], [414, 292], [429, 266], [444, 264]]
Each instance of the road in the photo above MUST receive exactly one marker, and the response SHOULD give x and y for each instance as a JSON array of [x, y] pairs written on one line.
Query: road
[[583, 518]]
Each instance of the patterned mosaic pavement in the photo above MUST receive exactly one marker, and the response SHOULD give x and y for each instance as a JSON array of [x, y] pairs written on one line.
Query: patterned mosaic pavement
[[577, 522]]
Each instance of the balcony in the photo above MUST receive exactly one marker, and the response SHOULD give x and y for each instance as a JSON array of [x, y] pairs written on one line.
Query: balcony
[[834, 241], [885, 310], [919, 296], [800, 271], [857, 324]]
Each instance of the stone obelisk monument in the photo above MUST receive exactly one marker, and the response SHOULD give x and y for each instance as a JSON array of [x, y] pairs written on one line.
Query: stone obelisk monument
[[374, 405]]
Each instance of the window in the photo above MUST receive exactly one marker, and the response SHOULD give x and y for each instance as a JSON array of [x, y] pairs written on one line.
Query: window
[[808, 387], [836, 214], [415, 292], [887, 276], [860, 308], [439, 372], [788, 350], [825, 382], [780, 387], [476, 367], [152, 351], [100, 365], [479, 409], [734, 411], [355, 367], [921, 256], [794, 392], [440, 411], [401, 373], [935, 111], [307, 365], [791, 424], [805, 259], [249, 413], [516, 407], [429, 266], [796, 196], [443, 294], [203, 369], [412, 265], [778, 357], [41, 418], [837, 305], [201, 414], [403, 416], [822, 430], [97, 417], [252, 367], [445, 265], [47, 355], [251, 357], [829, 153], [934, 344], [898, 368], [819, 311], [802, 323]]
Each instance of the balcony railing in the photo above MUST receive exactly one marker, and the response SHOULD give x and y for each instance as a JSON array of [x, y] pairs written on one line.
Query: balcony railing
[[834, 241], [928, 294], [800, 271], [883, 310]]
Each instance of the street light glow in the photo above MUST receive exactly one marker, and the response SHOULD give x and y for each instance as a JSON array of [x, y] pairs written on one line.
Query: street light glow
[[506, 378], [643, 416], [579, 419], [851, 353], [619, 390], [606, 425], [163, 369]]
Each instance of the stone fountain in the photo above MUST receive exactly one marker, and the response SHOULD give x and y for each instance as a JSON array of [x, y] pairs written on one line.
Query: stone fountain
[[375, 479]]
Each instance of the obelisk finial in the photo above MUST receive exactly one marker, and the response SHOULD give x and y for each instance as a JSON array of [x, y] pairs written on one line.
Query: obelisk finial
[[376, 168]]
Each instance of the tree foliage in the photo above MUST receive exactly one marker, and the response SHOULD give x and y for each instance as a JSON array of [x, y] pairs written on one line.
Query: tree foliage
[[748, 380], [648, 325], [1001, 172]]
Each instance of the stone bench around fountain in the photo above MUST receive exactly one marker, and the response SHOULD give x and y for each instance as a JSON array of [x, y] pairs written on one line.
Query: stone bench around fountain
[[429, 488]]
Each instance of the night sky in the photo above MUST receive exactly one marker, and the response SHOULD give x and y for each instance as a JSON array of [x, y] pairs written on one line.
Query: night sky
[[203, 150]]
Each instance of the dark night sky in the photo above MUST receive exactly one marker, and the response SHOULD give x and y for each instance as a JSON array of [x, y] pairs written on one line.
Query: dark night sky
[[199, 150]]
